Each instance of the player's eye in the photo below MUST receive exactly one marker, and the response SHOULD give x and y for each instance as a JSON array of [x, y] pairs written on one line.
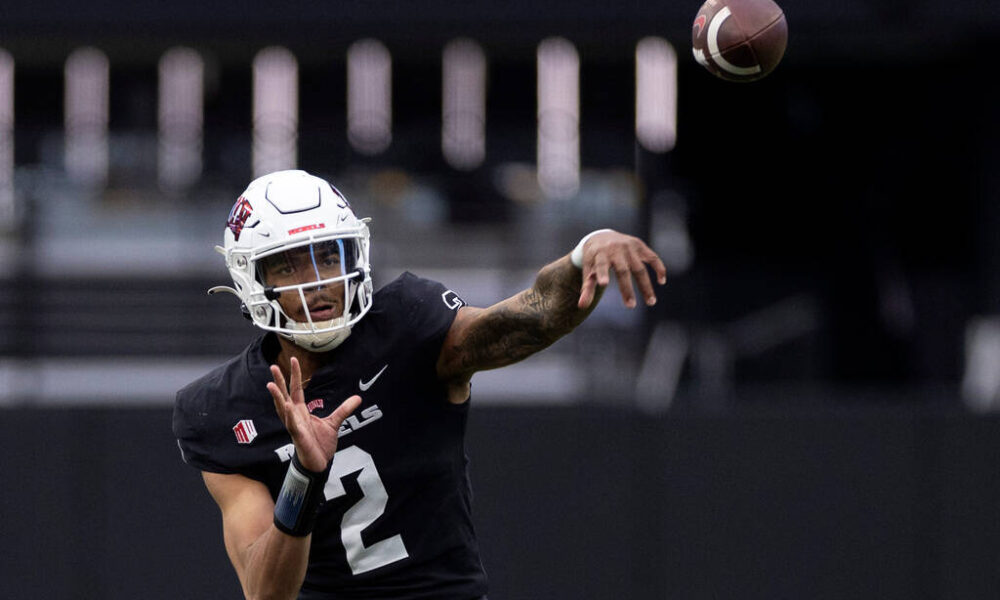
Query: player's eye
[[331, 260], [279, 266]]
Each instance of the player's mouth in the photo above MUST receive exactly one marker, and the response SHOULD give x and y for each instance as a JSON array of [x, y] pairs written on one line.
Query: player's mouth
[[324, 311]]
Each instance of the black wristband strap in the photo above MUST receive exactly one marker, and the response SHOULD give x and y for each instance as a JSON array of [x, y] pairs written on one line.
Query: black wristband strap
[[299, 498]]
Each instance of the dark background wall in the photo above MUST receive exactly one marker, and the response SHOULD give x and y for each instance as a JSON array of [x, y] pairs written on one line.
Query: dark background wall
[[570, 503]]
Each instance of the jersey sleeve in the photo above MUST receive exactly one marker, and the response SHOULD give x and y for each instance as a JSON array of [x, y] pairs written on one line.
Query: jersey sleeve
[[430, 309], [193, 438]]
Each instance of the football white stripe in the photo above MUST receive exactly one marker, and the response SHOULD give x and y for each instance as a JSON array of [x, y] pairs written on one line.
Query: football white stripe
[[713, 46]]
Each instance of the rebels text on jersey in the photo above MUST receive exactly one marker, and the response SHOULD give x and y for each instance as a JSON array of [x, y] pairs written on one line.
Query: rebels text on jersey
[[396, 521]]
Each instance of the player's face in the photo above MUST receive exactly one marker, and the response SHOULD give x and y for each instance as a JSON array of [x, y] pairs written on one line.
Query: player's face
[[307, 264]]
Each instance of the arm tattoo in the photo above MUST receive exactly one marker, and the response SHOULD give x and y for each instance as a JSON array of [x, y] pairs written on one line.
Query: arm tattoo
[[526, 323]]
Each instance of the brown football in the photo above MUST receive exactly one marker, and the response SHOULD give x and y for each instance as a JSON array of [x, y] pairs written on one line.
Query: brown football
[[739, 40]]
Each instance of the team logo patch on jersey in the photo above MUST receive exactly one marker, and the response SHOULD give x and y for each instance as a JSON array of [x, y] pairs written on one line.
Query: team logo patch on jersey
[[452, 300], [238, 216], [245, 431], [314, 404]]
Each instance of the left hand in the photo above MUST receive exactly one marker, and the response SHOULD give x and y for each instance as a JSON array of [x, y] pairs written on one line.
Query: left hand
[[315, 438], [629, 257]]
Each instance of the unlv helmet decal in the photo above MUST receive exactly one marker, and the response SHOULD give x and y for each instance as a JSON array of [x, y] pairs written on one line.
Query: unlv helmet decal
[[238, 216]]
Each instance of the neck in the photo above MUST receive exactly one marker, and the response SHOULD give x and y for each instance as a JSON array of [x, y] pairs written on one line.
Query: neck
[[309, 362]]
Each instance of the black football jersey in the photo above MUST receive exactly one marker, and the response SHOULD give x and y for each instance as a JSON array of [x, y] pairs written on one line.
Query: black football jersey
[[396, 521]]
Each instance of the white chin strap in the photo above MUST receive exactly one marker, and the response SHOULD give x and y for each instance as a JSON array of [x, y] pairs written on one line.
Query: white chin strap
[[318, 342]]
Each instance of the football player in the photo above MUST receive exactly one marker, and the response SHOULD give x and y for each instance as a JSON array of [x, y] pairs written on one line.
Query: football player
[[333, 444]]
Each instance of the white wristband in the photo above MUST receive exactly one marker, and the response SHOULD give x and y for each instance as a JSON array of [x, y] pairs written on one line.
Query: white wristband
[[576, 256]]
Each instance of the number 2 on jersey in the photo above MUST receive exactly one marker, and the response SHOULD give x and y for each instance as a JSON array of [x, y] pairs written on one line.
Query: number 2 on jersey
[[357, 518]]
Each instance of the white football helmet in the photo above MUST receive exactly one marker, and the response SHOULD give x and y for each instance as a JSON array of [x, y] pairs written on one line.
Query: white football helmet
[[281, 224]]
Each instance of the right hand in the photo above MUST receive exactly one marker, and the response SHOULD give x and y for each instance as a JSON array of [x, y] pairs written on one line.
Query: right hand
[[628, 257], [315, 438]]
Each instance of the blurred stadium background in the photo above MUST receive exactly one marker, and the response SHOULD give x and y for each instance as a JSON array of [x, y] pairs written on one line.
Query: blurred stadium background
[[808, 412]]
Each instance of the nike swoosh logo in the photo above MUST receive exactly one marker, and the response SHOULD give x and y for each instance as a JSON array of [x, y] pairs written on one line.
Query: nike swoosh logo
[[364, 385]]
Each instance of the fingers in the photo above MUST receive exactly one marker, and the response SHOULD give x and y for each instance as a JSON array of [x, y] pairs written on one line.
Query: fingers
[[641, 276], [595, 273], [285, 397], [277, 388], [279, 398], [630, 259], [652, 259], [278, 377], [587, 292], [624, 276], [293, 392], [296, 389], [344, 410], [282, 405], [600, 268]]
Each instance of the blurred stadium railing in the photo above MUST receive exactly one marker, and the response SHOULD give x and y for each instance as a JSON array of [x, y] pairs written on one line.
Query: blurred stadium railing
[[831, 227]]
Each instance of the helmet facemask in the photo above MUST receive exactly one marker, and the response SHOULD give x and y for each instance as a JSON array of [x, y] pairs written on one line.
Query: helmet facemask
[[311, 293]]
